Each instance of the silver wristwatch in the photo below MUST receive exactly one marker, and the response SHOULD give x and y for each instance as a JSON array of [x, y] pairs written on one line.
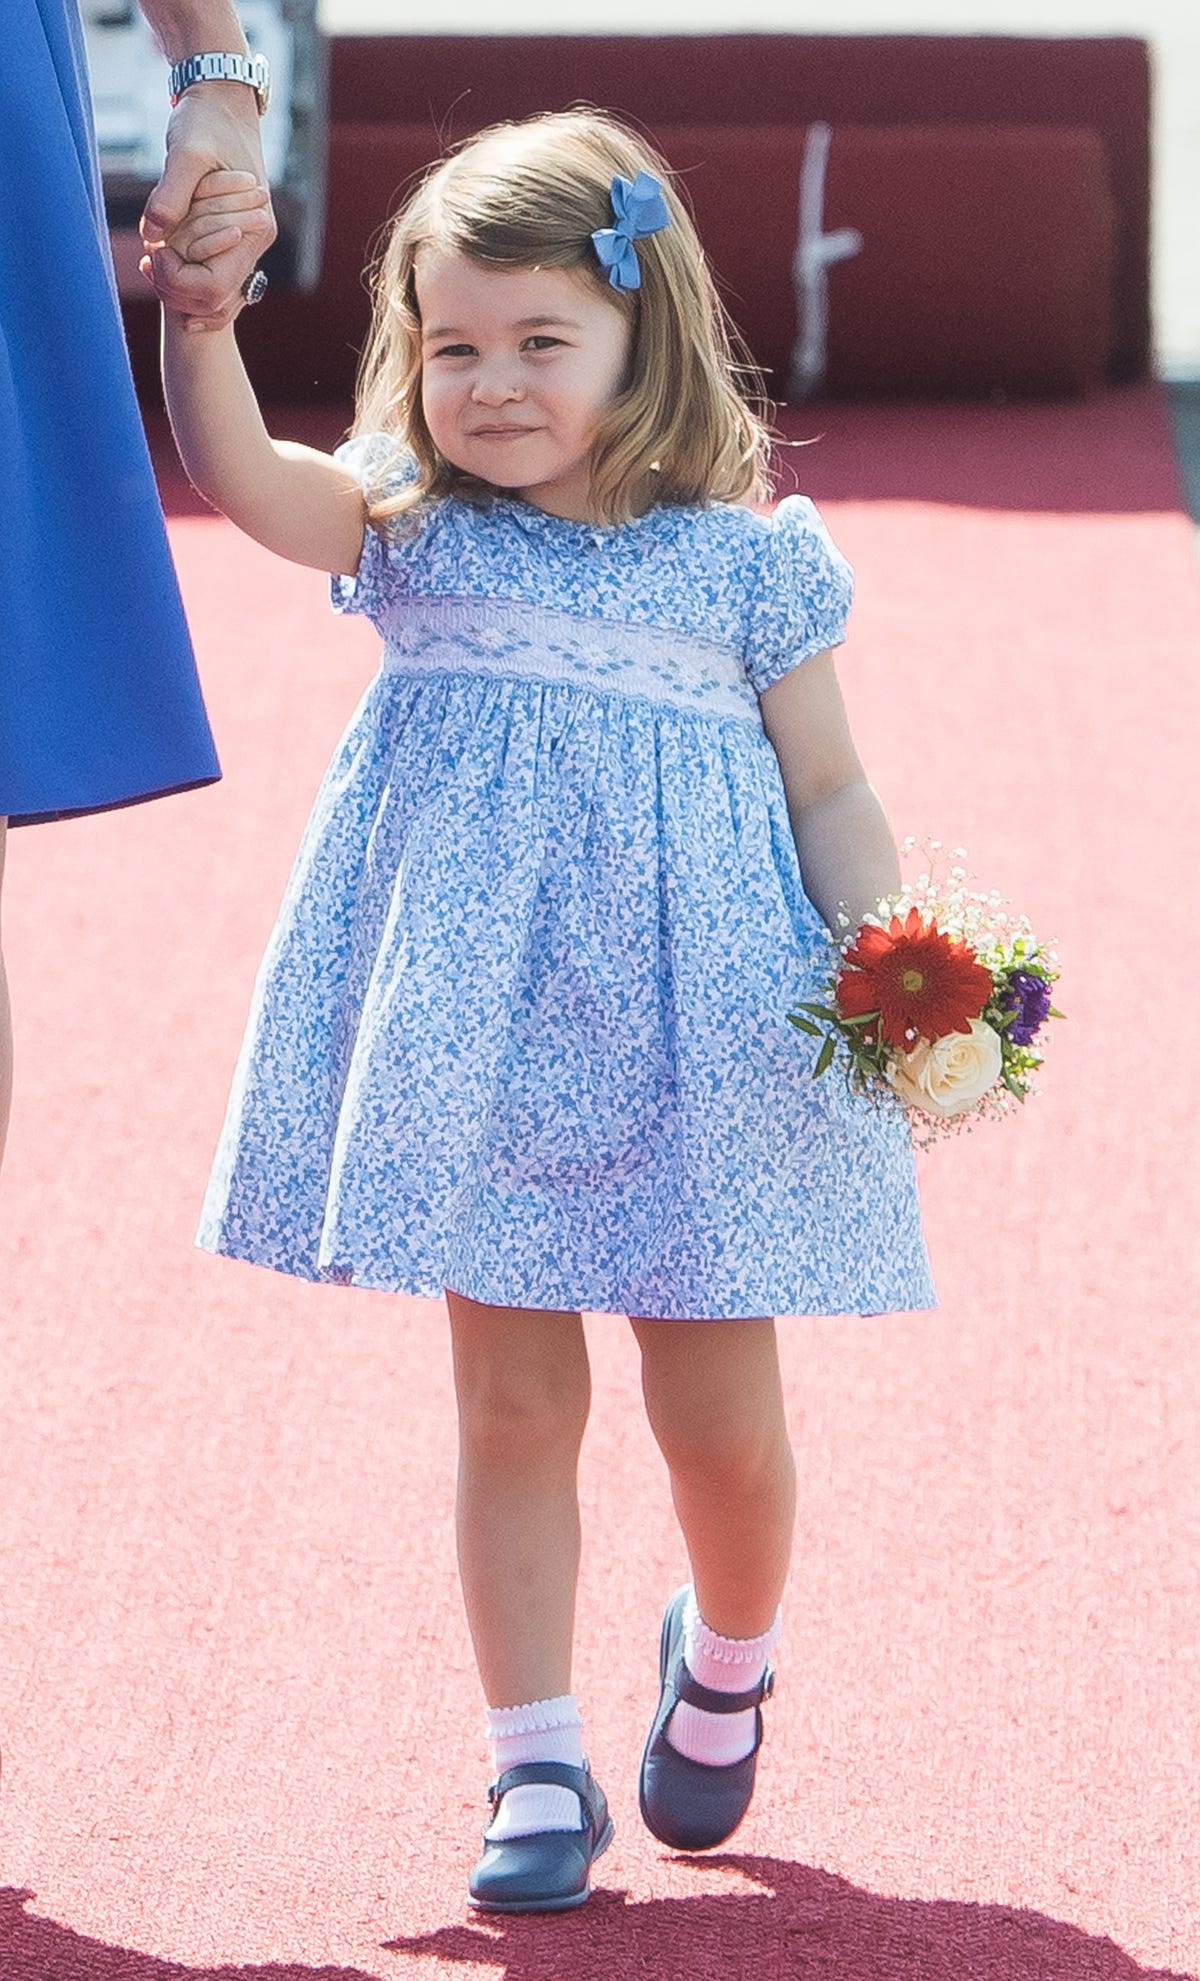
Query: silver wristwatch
[[254, 70]]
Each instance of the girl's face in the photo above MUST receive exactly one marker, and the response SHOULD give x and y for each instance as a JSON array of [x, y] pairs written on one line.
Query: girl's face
[[518, 366]]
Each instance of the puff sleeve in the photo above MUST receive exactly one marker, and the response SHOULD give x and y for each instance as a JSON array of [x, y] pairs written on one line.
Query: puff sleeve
[[802, 598], [372, 459]]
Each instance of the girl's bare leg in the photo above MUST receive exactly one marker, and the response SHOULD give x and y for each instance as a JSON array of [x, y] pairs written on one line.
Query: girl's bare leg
[[5, 1022], [523, 1386], [715, 1403]]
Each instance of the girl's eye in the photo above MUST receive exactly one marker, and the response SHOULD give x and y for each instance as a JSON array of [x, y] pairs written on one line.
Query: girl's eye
[[542, 343], [455, 351]]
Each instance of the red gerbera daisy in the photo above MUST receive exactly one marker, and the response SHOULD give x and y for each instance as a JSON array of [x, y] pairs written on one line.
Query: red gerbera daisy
[[922, 983]]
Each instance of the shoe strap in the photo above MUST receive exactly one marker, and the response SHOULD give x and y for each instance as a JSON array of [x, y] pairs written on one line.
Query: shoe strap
[[689, 1688], [555, 1774]]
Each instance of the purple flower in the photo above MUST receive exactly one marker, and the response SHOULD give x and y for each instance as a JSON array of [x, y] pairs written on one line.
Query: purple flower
[[1029, 996]]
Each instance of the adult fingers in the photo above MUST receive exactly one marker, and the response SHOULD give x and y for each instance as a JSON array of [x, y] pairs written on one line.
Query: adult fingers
[[220, 181], [207, 218], [172, 196], [255, 197], [231, 216]]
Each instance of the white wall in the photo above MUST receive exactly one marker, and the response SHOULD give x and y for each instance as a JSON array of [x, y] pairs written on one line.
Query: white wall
[[1171, 26]]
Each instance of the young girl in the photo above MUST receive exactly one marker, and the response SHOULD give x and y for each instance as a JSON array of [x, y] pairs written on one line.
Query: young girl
[[521, 1032]]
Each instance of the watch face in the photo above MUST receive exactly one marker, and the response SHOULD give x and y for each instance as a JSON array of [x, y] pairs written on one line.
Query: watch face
[[262, 82]]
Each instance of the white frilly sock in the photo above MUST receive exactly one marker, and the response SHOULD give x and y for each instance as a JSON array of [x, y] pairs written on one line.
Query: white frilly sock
[[726, 1664], [545, 1730]]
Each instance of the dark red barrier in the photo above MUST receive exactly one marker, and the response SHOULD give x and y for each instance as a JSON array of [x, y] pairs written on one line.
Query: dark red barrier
[[971, 240], [458, 83]]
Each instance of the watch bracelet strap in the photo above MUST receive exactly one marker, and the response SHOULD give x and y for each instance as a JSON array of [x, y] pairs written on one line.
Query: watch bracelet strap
[[216, 67]]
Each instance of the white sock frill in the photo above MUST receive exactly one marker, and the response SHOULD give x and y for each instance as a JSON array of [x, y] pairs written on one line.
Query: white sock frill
[[544, 1730], [724, 1664]]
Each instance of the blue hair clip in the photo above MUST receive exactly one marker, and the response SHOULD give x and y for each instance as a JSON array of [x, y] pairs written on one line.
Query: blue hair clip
[[638, 208]]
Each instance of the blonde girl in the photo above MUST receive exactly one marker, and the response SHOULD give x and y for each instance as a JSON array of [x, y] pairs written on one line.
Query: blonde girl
[[520, 1035]]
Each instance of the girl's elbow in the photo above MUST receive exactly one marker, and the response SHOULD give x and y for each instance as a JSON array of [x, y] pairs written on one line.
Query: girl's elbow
[[825, 788]]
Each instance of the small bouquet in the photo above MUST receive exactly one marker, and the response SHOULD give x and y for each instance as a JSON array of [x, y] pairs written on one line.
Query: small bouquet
[[936, 1003]]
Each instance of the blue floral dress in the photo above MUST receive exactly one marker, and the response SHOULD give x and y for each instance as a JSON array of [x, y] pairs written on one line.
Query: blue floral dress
[[521, 1029]]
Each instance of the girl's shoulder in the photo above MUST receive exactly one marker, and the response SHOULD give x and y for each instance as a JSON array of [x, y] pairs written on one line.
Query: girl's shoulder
[[778, 553], [801, 591], [383, 467], [775, 551], [382, 464], [795, 519]]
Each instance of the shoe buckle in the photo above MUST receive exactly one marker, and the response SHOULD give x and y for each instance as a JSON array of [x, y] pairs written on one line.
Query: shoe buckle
[[768, 1684], [493, 1796]]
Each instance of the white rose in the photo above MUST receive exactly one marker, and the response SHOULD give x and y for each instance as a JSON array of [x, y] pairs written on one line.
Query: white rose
[[948, 1076]]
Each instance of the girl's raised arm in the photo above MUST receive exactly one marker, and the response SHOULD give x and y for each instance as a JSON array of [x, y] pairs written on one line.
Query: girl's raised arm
[[298, 502]]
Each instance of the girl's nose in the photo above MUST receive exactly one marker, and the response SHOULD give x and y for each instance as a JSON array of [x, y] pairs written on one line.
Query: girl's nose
[[496, 385]]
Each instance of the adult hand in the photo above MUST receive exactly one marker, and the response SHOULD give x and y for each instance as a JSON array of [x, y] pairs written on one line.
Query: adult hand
[[213, 127]]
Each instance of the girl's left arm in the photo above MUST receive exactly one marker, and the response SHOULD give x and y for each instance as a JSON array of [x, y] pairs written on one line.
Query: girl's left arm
[[300, 503], [847, 853]]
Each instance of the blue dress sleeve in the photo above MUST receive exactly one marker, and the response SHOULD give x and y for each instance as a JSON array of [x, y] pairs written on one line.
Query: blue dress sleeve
[[372, 459], [803, 598]]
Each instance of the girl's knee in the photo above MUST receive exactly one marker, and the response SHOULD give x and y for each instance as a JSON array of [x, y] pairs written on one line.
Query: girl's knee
[[522, 1382], [514, 1418], [715, 1400], [737, 1457]]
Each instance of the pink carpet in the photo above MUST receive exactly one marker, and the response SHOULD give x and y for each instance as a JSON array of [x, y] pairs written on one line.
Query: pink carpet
[[240, 1728]]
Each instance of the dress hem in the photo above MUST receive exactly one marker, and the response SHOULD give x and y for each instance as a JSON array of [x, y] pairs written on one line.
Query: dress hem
[[55, 814], [416, 1288]]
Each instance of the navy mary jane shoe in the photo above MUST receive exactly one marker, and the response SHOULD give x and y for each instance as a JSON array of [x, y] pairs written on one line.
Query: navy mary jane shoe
[[549, 1872], [686, 1804]]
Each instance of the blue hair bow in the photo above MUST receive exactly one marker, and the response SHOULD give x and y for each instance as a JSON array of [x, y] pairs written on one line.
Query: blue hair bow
[[638, 208]]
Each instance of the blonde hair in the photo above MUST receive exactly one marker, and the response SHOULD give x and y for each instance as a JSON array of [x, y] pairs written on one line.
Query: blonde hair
[[530, 194]]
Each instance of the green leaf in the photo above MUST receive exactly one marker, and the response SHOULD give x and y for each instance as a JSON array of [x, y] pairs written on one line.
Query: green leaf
[[819, 1011], [1052, 1013], [824, 1058], [861, 1018], [803, 1025]]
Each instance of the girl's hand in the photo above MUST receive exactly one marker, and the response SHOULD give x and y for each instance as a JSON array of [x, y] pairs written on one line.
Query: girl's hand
[[230, 214]]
